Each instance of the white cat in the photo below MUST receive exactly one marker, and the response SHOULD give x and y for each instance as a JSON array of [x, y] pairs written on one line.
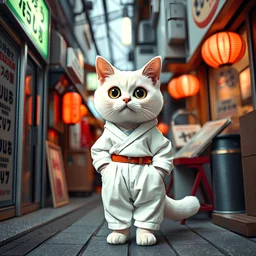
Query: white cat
[[132, 154]]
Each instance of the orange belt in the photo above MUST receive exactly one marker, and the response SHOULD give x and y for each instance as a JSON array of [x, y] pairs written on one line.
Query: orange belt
[[132, 160]]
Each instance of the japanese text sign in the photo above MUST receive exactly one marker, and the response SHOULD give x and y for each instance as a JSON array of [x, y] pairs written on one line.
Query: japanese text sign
[[34, 16]]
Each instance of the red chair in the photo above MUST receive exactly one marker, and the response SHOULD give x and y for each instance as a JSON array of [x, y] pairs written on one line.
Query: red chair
[[196, 163]]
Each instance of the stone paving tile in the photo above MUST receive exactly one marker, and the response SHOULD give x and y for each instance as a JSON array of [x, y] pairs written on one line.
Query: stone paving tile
[[56, 250], [203, 225], [197, 250], [27, 236], [8, 247], [231, 243], [21, 249], [106, 250], [69, 238], [187, 239], [42, 237], [80, 230], [15, 226], [159, 249], [169, 227]]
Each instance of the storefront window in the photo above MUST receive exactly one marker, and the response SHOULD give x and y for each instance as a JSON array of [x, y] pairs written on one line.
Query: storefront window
[[32, 103], [230, 88]]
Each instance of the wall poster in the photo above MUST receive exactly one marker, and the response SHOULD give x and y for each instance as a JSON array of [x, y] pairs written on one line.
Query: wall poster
[[9, 55]]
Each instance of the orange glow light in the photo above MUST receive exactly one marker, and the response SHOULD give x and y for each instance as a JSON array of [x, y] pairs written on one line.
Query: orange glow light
[[163, 128], [183, 86], [172, 88], [28, 85], [83, 110], [223, 48], [71, 107]]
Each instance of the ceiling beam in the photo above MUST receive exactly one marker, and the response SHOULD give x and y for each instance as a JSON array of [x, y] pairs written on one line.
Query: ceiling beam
[[108, 33]]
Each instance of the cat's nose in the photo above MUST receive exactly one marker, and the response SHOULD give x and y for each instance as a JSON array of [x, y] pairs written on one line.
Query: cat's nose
[[126, 100]]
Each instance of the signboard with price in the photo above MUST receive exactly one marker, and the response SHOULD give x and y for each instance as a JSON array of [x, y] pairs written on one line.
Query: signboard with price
[[182, 134], [34, 16], [8, 81], [203, 138]]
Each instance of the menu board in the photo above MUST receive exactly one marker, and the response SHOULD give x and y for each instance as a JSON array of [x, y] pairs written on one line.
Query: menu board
[[8, 83], [203, 138]]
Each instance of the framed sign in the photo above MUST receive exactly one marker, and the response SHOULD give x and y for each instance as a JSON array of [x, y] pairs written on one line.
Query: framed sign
[[245, 86], [203, 138], [57, 175]]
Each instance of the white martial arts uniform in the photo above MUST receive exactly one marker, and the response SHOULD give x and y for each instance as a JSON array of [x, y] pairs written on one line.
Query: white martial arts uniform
[[133, 190]]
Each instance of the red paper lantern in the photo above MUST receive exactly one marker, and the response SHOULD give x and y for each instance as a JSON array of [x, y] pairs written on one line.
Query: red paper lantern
[[183, 86], [223, 48], [163, 128], [71, 103], [172, 88], [83, 110]]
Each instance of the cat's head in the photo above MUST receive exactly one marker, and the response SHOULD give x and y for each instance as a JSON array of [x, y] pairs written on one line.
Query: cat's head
[[127, 98]]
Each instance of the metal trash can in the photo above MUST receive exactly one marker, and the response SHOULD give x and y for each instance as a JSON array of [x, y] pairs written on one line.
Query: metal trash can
[[227, 174]]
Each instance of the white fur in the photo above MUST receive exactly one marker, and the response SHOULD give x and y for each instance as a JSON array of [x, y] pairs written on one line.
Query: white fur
[[139, 110]]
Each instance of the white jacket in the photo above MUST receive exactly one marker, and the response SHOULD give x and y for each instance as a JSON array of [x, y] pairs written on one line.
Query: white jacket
[[146, 140]]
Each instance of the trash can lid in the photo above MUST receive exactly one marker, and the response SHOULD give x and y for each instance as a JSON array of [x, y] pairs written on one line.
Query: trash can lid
[[227, 136]]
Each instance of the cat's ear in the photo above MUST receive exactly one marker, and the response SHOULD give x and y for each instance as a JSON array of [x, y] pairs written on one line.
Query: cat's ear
[[153, 69], [103, 68]]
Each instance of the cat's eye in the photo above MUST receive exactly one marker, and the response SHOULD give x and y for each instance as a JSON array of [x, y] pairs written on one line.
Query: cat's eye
[[114, 93], [140, 93]]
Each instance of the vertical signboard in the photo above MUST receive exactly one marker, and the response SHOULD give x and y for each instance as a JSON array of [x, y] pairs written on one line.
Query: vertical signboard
[[8, 84], [34, 16], [201, 14]]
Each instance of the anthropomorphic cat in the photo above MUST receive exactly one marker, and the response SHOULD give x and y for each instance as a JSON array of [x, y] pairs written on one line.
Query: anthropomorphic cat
[[132, 155]]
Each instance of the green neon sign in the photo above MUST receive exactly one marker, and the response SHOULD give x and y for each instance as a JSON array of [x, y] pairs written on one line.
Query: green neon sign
[[34, 16]]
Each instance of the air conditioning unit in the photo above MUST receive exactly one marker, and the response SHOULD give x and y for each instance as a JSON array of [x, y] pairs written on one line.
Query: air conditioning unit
[[171, 32], [143, 54], [147, 34]]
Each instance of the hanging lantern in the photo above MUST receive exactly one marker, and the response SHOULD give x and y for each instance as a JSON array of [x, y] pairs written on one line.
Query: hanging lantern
[[172, 88], [83, 110], [223, 48], [163, 128], [183, 86], [71, 103]]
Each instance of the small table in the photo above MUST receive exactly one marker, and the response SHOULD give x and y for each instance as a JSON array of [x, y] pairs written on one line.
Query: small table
[[196, 163]]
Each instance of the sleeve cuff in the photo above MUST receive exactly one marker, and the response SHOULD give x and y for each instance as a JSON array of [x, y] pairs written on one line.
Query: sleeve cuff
[[165, 166], [97, 164]]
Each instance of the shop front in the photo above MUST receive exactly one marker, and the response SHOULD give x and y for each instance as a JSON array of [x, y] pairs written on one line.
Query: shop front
[[69, 115], [222, 56], [24, 52]]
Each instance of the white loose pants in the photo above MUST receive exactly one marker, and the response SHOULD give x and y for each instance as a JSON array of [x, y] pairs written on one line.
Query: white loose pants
[[132, 191]]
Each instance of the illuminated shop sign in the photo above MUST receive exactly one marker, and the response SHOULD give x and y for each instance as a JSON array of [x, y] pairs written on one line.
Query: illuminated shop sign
[[34, 16]]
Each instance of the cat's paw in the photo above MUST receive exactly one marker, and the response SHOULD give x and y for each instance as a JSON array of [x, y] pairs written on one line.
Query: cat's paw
[[117, 238], [145, 237]]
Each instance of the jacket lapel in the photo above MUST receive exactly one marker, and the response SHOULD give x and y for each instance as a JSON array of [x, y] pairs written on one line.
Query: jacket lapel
[[115, 130], [143, 128]]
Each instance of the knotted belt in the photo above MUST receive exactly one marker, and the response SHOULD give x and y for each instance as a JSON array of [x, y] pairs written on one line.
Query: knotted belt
[[131, 160]]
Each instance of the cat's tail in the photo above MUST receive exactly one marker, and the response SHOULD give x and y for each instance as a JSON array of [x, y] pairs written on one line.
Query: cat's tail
[[181, 209]]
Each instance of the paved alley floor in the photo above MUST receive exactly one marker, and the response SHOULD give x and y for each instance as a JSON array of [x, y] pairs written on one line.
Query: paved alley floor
[[84, 232]]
